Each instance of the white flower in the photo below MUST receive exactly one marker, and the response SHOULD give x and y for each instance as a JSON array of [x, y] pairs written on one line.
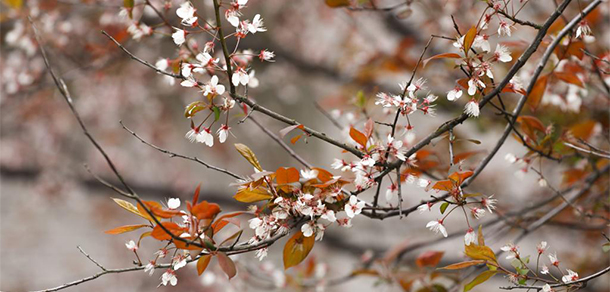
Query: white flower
[[511, 158], [542, 183], [454, 94], [179, 37], [223, 133], [173, 203], [544, 270], [512, 250], [472, 108], [553, 259], [353, 207], [240, 76], [541, 247], [309, 174], [329, 215], [213, 87], [190, 82], [150, 268], [423, 183], [266, 56], [345, 222], [207, 137], [307, 229], [470, 237], [489, 203], [162, 64], [425, 207], [169, 277], [502, 54], [261, 253], [570, 277], [437, 227], [391, 192], [194, 135], [256, 25], [252, 81], [583, 29], [504, 28], [179, 262], [187, 13], [131, 245], [477, 212], [481, 42], [547, 288]]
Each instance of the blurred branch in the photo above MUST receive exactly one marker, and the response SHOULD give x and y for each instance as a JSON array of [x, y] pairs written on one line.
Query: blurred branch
[[582, 281]]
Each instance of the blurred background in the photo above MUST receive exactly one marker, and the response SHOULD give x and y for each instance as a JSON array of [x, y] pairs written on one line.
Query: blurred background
[[50, 204]]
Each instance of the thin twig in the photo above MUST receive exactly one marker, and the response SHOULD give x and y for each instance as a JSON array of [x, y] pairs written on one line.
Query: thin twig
[[90, 258]]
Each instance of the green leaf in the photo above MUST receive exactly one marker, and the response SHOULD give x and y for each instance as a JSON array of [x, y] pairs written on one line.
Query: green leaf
[[606, 247], [479, 279], [216, 113], [444, 207], [360, 99]]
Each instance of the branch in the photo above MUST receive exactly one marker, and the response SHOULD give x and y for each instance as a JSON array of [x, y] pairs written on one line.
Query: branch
[[584, 281], [173, 154]]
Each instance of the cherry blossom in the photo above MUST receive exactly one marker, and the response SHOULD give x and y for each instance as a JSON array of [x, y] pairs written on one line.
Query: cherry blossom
[[541, 247], [169, 277], [583, 29], [240, 76], [187, 13], [266, 56], [256, 25], [173, 203], [454, 94], [179, 37], [131, 245], [470, 237], [437, 226], [502, 54], [481, 42], [570, 277], [223, 133], [212, 88], [504, 28], [472, 108], [150, 268], [547, 288], [353, 207], [553, 259], [489, 203]]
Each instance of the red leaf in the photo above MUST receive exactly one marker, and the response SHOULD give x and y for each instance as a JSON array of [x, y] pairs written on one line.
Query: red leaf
[[205, 210], [569, 78], [469, 39], [535, 96], [159, 234], [226, 264], [429, 259], [196, 195]]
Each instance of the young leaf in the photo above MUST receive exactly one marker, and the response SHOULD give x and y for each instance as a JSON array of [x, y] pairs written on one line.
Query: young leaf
[[247, 195], [462, 265], [202, 263], [196, 194], [248, 155], [216, 113], [569, 77], [441, 56], [129, 207], [535, 96], [358, 137], [480, 237], [469, 39], [226, 264], [123, 229], [286, 175], [205, 210], [429, 258], [193, 108], [480, 252], [296, 249], [444, 207], [482, 277], [159, 234]]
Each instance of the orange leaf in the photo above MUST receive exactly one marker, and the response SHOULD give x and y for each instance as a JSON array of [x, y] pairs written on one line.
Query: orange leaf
[[337, 3], [196, 194], [323, 174], [532, 122], [129, 207], [297, 248], [429, 258], [358, 137], [463, 156], [469, 39], [459, 177], [221, 222], [441, 56], [535, 96], [159, 234], [478, 252], [295, 139], [443, 185], [226, 264], [205, 210], [202, 263], [247, 195], [570, 78], [126, 228], [286, 175], [583, 130], [462, 265]]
